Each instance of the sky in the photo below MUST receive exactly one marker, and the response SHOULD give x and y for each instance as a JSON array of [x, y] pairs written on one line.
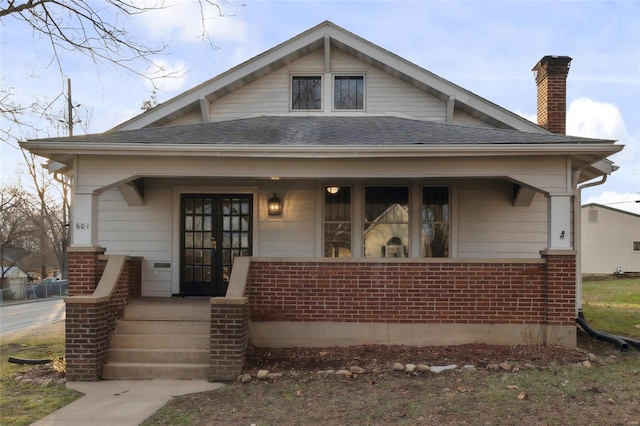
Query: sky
[[486, 47]]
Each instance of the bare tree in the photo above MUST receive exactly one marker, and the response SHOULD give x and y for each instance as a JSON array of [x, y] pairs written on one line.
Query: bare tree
[[14, 229]]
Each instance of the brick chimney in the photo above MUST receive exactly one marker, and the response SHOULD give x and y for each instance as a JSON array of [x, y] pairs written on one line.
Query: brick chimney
[[551, 79]]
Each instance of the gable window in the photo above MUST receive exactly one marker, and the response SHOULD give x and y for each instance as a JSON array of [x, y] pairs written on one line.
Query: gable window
[[386, 221], [435, 222], [348, 92], [306, 92], [337, 221]]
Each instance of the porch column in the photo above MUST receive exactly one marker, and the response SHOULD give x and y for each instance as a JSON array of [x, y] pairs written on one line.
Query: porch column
[[559, 229], [84, 220]]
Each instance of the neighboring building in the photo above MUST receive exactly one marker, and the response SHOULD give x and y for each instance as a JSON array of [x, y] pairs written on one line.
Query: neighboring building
[[610, 241], [359, 198]]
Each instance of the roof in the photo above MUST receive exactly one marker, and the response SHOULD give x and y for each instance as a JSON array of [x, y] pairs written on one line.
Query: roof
[[612, 209], [323, 131], [322, 36]]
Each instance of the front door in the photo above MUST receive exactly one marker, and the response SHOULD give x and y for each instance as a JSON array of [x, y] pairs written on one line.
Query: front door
[[215, 229]]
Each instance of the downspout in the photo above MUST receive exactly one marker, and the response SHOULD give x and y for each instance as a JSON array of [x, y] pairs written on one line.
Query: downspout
[[577, 232]]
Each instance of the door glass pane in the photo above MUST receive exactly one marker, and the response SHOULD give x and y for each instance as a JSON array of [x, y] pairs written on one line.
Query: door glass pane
[[197, 257], [188, 223], [207, 257], [208, 206], [188, 206], [235, 223], [226, 207], [188, 273], [188, 256], [207, 223], [226, 240], [197, 223], [245, 207], [197, 240], [188, 239], [197, 205], [197, 273]]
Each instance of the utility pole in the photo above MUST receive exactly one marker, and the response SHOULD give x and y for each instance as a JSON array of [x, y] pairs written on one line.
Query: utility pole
[[70, 107]]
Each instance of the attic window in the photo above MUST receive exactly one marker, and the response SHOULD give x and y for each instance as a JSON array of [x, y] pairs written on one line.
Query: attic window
[[306, 92], [348, 92]]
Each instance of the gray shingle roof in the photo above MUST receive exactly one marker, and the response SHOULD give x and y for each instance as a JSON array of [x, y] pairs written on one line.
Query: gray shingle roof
[[325, 131]]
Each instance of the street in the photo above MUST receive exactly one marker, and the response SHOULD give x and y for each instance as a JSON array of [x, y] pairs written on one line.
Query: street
[[28, 315]]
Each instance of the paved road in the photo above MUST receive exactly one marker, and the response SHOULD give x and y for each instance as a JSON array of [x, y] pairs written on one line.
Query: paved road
[[23, 316]]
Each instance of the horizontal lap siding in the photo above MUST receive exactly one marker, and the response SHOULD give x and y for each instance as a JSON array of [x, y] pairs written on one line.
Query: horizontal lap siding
[[141, 231], [397, 293], [489, 226]]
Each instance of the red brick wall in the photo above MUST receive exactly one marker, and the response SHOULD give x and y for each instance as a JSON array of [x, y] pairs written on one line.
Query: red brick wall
[[89, 324], [87, 340], [561, 277], [229, 339], [83, 271], [461, 293]]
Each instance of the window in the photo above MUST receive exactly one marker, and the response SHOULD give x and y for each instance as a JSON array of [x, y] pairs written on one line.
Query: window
[[386, 221], [348, 92], [337, 221], [306, 92], [636, 246], [435, 222]]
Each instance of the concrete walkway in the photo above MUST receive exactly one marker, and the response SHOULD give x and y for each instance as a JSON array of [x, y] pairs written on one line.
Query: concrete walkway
[[121, 402]]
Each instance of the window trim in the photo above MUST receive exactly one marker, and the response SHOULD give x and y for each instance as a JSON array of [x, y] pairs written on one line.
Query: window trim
[[292, 76], [364, 91]]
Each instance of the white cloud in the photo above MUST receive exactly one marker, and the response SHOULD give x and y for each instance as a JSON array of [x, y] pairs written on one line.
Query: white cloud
[[592, 119], [176, 72], [531, 117], [189, 21]]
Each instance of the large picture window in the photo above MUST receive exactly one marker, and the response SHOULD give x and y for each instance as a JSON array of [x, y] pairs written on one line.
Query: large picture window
[[386, 221], [435, 222], [306, 92], [348, 92], [337, 221]]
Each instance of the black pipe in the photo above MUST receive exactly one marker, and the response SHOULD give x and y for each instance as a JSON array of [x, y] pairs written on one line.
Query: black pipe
[[603, 336], [23, 361]]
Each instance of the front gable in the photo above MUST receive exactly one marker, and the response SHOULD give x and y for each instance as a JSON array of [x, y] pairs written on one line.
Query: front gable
[[394, 86]]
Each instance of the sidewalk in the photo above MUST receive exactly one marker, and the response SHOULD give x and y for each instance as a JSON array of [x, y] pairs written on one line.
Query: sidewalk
[[121, 402]]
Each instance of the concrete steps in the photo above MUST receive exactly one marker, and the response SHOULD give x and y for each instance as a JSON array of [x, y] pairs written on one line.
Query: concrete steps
[[161, 339]]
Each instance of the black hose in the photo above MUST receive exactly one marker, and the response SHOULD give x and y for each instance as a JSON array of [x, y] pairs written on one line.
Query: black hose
[[603, 336], [28, 361]]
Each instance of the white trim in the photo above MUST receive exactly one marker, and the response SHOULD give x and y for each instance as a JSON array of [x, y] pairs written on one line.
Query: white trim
[[304, 151], [175, 232]]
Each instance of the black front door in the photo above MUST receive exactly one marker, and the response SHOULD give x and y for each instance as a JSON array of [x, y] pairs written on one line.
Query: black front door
[[215, 229]]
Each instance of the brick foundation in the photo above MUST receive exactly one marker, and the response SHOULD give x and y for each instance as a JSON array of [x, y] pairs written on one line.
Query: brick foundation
[[89, 320], [229, 338]]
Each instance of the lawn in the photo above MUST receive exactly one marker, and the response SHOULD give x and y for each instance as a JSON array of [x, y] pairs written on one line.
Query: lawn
[[22, 403], [551, 392], [613, 305]]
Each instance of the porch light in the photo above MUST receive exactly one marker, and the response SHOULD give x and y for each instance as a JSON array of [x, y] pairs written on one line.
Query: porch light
[[274, 206], [333, 189]]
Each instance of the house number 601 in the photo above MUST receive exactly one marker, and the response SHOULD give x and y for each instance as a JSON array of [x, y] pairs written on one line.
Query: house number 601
[[82, 225]]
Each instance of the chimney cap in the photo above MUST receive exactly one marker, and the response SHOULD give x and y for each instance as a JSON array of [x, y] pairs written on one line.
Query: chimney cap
[[552, 60]]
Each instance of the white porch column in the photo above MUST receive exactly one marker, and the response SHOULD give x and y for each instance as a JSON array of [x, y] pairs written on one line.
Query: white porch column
[[559, 229], [84, 220]]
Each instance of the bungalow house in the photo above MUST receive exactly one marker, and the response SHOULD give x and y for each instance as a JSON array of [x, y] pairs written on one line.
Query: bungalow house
[[325, 192], [610, 241]]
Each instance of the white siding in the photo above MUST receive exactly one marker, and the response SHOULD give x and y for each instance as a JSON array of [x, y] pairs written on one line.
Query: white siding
[[490, 226], [462, 118], [144, 231], [607, 241], [293, 234], [384, 93]]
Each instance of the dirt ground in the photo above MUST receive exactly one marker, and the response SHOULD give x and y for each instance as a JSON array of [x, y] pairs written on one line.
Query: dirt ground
[[595, 384], [508, 385]]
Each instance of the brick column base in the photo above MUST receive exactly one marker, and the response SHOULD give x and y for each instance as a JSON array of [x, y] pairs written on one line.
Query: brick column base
[[87, 339], [229, 337]]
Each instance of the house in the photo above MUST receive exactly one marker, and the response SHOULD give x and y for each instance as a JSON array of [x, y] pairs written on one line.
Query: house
[[610, 240], [12, 278], [358, 197]]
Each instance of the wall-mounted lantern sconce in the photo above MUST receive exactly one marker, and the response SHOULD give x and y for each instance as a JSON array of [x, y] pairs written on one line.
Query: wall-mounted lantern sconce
[[274, 206]]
